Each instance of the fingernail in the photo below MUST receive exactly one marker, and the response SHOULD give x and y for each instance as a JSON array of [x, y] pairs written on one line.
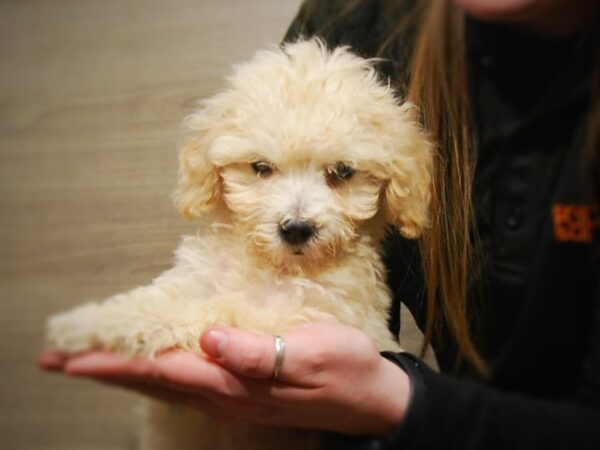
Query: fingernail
[[214, 342], [49, 360]]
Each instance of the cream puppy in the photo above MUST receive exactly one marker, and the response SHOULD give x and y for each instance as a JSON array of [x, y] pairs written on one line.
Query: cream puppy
[[294, 170]]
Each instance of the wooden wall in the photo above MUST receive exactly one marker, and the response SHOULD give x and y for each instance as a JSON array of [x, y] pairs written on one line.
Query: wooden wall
[[91, 96]]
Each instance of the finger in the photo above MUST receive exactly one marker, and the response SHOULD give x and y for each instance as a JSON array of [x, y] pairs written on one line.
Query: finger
[[228, 409], [177, 370], [106, 364], [51, 360], [163, 394], [309, 351], [243, 352], [179, 375]]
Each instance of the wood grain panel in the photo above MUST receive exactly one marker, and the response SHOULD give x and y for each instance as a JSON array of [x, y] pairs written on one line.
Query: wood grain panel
[[91, 96]]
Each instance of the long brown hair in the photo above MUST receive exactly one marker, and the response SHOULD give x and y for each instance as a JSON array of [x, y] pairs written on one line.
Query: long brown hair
[[450, 249], [438, 85]]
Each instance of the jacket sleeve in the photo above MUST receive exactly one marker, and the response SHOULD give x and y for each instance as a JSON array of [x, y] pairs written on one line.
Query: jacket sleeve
[[446, 413]]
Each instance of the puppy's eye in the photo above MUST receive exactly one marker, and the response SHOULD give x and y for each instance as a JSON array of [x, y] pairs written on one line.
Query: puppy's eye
[[262, 168], [339, 172]]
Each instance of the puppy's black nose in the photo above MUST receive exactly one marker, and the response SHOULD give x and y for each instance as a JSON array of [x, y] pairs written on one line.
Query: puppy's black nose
[[296, 232]]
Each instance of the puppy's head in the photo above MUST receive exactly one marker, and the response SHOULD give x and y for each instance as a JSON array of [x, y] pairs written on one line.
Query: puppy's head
[[305, 151]]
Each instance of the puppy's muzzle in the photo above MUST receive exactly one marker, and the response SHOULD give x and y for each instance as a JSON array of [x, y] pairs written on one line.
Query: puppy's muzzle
[[297, 232]]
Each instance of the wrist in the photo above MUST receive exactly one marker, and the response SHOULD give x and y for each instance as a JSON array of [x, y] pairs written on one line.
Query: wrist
[[388, 400], [412, 421]]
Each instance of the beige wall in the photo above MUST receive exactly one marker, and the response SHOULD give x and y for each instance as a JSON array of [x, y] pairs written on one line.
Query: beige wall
[[91, 95]]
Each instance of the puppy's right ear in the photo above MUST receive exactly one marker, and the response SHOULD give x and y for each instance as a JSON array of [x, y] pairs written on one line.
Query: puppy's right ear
[[199, 187]]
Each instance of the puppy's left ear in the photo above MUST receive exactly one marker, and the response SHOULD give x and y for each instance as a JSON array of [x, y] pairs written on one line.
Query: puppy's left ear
[[199, 187], [408, 193]]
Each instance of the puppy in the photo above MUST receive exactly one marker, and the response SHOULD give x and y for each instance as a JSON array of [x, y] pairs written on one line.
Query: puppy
[[295, 171]]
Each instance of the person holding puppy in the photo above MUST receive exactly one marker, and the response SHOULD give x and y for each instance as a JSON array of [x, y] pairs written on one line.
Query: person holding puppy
[[504, 284]]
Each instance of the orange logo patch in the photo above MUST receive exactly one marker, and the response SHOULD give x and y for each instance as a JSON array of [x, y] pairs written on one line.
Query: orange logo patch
[[575, 223]]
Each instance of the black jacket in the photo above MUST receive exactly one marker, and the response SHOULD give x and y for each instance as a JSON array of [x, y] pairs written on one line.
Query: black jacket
[[539, 317]]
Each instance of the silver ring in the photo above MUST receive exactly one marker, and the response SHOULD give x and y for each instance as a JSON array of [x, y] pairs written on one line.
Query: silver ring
[[279, 352]]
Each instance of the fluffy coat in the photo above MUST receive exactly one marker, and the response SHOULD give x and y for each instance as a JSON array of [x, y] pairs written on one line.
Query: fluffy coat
[[304, 135]]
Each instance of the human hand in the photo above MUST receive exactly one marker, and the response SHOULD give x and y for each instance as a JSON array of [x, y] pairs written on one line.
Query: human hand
[[332, 378]]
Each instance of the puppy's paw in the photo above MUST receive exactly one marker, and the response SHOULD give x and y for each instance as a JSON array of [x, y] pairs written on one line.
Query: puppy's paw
[[73, 331], [105, 327]]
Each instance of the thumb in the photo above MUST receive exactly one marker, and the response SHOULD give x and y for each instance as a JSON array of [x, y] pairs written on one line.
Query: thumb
[[241, 351]]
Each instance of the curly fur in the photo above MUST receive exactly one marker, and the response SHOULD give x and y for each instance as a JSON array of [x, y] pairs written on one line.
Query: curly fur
[[301, 109]]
